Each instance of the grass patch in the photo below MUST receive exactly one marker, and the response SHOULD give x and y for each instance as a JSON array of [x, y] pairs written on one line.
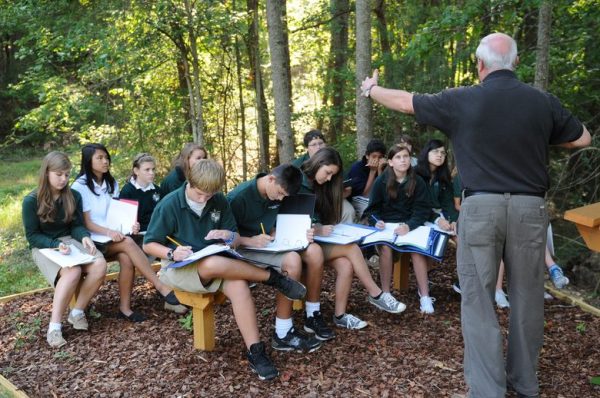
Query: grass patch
[[18, 273]]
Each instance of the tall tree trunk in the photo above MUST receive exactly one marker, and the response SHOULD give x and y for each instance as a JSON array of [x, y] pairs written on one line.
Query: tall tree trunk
[[281, 77], [339, 53], [543, 46], [183, 93], [262, 117], [197, 118], [238, 64], [384, 43], [363, 69]]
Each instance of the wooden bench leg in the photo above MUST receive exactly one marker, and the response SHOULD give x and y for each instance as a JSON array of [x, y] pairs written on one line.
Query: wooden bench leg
[[203, 316], [401, 269]]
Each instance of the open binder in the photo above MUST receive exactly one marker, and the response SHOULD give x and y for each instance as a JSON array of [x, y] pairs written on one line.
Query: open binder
[[424, 239], [216, 249]]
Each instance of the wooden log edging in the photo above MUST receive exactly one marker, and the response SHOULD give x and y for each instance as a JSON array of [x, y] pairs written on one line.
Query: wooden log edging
[[562, 295], [11, 388]]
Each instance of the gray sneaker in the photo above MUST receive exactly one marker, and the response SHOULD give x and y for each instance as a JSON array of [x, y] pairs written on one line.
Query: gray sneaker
[[55, 339], [79, 322], [349, 321], [388, 303], [178, 309]]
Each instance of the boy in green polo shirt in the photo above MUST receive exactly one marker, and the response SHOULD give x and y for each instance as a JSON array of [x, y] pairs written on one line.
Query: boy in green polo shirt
[[255, 205], [197, 215]]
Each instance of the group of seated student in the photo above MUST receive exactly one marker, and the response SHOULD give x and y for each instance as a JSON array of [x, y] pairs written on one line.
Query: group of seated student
[[188, 212]]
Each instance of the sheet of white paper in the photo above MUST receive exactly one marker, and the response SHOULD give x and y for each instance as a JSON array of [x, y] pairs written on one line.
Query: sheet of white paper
[[121, 216], [207, 251], [76, 257], [100, 238], [384, 235], [290, 233], [418, 237], [345, 233]]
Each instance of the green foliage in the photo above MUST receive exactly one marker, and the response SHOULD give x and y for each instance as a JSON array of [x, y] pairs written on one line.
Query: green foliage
[[187, 322], [581, 327], [27, 332]]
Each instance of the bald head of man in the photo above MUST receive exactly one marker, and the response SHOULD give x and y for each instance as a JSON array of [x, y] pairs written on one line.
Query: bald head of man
[[496, 51]]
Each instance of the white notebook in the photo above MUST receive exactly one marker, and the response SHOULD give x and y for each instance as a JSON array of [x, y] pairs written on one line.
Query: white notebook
[[290, 234], [75, 257]]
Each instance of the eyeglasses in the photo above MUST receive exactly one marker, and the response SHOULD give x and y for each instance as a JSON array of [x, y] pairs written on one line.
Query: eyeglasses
[[317, 144], [440, 152]]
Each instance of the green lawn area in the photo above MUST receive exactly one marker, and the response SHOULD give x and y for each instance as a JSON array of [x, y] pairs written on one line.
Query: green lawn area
[[18, 176]]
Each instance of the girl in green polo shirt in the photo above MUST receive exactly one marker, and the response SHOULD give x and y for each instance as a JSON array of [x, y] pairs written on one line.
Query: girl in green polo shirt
[[52, 218], [189, 155], [323, 177]]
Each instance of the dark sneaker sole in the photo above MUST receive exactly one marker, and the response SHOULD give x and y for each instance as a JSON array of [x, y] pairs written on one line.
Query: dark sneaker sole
[[292, 349], [294, 297], [263, 378], [317, 336]]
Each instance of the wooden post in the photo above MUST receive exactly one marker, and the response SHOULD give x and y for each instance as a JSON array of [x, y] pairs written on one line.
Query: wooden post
[[203, 316], [400, 273]]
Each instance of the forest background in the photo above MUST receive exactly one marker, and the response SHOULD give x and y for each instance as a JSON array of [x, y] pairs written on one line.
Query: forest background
[[247, 78]]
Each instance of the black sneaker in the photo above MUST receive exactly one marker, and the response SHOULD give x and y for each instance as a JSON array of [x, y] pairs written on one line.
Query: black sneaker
[[290, 288], [315, 324], [260, 363], [295, 341]]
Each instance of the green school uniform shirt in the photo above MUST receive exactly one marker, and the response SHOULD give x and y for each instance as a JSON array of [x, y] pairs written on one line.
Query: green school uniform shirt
[[250, 209], [413, 210], [174, 217], [172, 181], [44, 235], [147, 201], [442, 197], [298, 161]]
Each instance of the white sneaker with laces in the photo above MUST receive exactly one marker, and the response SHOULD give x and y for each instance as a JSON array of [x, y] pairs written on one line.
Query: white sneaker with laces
[[79, 321], [501, 300], [55, 339], [388, 303], [349, 321], [427, 304]]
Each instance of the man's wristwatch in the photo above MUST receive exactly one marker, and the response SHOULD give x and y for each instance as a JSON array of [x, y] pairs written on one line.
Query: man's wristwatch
[[170, 256]]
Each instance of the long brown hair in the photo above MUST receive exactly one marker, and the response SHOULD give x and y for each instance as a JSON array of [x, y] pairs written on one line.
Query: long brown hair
[[392, 184], [46, 211], [329, 196], [183, 160]]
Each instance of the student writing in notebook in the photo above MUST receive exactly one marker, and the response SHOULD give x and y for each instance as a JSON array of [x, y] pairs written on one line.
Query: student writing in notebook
[[97, 188], [323, 177], [52, 217], [401, 196], [197, 215], [433, 168], [255, 205], [140, 187], [189, 155]]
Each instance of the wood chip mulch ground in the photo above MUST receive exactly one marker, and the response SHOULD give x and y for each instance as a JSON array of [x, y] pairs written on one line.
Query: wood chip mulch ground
[[408, 355]]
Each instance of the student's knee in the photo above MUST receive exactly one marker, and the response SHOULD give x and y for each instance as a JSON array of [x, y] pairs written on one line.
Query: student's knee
[[313, 255], [70, 275], [97, 270], [237, 290], [212, 267], [292, 265]]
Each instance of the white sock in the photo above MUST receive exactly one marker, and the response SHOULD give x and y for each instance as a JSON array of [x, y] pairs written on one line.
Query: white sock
[[283, 326], [311, 308], [54, 326], [75, 312]]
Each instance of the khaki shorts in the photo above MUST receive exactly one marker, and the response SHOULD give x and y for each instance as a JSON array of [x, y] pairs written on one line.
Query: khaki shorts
[[186, 278], [49, 268], [272, 260]]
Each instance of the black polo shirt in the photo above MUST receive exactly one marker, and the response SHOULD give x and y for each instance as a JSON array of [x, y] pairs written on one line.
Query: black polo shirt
[[500, 130]]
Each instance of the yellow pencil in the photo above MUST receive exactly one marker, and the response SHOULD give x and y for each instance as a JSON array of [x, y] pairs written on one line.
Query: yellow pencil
[[263, 228], [174, 241]]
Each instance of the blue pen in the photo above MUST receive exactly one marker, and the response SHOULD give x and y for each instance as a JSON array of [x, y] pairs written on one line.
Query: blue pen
[[374, 218]]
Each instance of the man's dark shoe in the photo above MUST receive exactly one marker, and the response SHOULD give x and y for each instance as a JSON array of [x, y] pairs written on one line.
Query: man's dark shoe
[[315, 324], [260, 363], [295, 341], [290, 288]]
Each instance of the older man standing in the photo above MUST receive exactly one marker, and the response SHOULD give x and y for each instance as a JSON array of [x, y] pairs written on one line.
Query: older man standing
[[500, 130]]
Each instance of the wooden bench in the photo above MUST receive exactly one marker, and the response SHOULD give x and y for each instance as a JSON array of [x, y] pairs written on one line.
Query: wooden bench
[[203, 316], [587, 219], [400, 272]]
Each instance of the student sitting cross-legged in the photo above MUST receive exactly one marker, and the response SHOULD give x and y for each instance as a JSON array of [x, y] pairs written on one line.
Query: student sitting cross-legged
[[255, 205], [197, 215], [52, 219]]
